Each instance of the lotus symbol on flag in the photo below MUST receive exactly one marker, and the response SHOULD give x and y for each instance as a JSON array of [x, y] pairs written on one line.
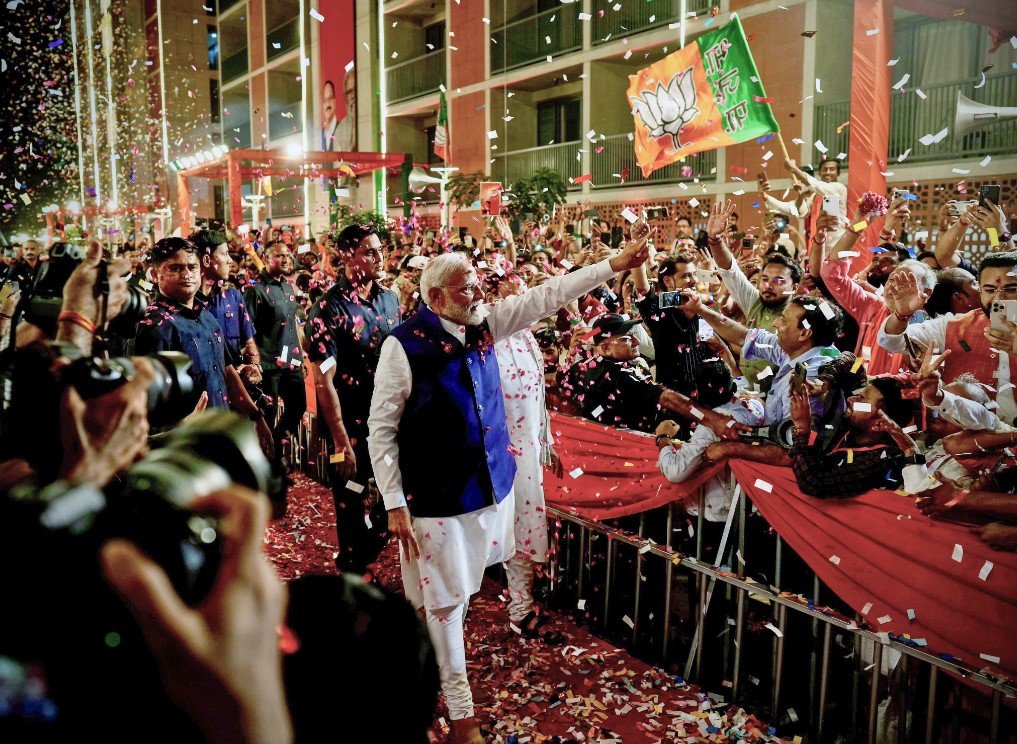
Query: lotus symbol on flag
[[670, 108]]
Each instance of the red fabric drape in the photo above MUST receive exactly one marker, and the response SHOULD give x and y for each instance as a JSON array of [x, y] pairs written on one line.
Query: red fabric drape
[[893, 557], [619, 472], [869, 138], [887, 553]]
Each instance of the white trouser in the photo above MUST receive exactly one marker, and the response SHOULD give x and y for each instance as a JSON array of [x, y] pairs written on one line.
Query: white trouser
[[519, 570], [445, 626]]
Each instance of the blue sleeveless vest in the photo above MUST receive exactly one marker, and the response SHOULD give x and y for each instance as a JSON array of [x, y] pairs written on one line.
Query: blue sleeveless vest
[[453, 440]]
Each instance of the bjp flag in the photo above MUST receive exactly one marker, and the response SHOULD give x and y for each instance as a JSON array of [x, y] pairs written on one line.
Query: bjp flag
[[704, 96]]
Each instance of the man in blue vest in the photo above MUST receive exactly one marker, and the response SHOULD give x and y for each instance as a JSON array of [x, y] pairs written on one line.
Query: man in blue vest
[[440, 445]]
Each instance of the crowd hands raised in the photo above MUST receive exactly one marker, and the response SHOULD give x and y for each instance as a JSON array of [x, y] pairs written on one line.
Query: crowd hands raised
[[757, 344]]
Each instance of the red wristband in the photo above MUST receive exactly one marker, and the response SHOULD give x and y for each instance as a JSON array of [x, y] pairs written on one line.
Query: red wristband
[[69, 316]]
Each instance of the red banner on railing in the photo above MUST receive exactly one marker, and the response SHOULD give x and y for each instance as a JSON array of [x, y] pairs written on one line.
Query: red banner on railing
[[906, 573], [611, 473]]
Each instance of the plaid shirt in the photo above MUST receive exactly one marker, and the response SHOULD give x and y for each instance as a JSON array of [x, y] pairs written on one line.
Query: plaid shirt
[[844, 470]]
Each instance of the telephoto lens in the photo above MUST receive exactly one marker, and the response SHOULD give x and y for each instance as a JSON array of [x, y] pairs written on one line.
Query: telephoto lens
[[171, 396]]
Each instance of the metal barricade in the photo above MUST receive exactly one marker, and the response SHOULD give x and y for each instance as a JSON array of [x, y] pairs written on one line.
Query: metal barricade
[[585, 549]]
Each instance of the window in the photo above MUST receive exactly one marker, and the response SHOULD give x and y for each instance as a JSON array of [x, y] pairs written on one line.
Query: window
[[282, 24], [284, 115], [213, 100], [236, 117], [558, 120], [233, 46], [213, 48], [434, 36]]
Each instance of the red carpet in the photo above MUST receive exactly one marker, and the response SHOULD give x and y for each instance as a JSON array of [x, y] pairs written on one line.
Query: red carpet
[[587, 690]]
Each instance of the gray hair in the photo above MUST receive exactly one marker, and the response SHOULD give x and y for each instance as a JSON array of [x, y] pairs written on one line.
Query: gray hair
[[924, 275], [440, 270]]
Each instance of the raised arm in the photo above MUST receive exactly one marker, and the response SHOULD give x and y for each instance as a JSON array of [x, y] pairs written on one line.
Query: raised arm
[[521, 311], [716, 230]]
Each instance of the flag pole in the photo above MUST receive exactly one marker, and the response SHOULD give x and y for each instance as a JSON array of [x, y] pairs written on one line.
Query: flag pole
[[783, 147]]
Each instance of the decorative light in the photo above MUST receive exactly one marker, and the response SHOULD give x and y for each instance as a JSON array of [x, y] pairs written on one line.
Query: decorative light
[[294, 150]]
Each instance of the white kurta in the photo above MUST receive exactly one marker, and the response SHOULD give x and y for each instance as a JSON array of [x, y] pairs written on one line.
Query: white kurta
[[521, 365], [454, 551]]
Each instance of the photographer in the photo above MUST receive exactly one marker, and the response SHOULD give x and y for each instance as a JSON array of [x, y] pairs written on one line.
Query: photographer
[[675, 334], [176, 322]]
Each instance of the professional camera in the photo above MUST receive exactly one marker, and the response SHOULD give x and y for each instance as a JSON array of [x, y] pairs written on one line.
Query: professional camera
[[781, 434], [47, 293], [170, 396], [66, 620]]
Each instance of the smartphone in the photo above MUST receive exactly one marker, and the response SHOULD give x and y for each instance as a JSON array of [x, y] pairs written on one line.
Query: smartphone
[[605, 238], [285, 228], [671, 299], [761, 178], [831, 205], [1001, 311], [747, 244], [987, 193], [801, 374], [7, 289], [268, 222]]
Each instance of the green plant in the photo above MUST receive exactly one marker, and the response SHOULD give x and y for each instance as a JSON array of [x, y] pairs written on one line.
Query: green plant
[[463, 189], [545, 188], [346, 216]]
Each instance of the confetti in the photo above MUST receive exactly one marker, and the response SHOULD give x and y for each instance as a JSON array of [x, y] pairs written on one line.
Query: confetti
[[576, 473], [884, 619], [835, 560], [355, 487], [989, 658], [762, 485], [958, 553], [985, 570], [774, 629], [931, 139], [327, 365], [902, 82], [316, 15]]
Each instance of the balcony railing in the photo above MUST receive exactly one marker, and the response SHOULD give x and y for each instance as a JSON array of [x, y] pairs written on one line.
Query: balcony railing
[[415, 77], [635, 17], [617, 161], [511, 166], [235, 65], [287, 36], [533, 38], [912, 117]]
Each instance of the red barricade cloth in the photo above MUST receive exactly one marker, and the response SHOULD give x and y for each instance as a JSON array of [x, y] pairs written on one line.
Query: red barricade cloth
[[611, 473], [878, 553]]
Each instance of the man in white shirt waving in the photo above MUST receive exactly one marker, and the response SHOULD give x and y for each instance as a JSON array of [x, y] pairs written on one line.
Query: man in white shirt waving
[[440, 445]]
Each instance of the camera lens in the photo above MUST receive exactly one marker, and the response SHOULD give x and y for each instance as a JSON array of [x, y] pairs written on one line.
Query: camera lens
[[172, 395]]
